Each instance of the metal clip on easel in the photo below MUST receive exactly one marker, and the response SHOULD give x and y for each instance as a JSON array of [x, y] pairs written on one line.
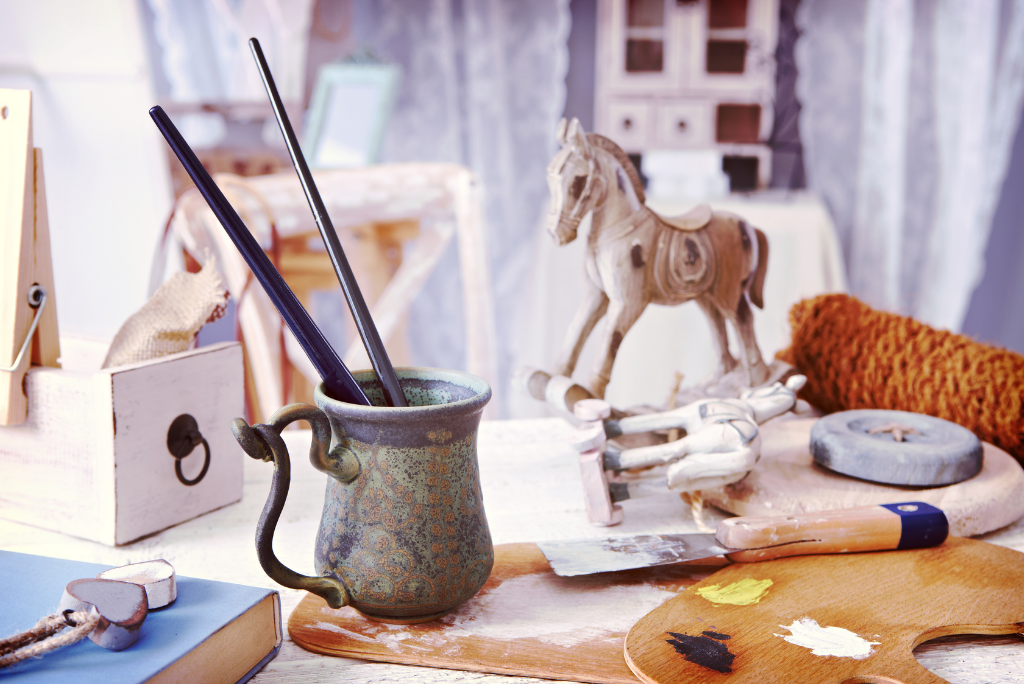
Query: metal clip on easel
[[36, 300]]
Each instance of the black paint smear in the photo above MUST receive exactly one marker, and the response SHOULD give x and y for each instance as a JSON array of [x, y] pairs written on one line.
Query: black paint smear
[[703, 651]]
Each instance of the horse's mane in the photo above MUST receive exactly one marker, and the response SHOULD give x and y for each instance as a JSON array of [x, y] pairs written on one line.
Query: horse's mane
[[607, 145]]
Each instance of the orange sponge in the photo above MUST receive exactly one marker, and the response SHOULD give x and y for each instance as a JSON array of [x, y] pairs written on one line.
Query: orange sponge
[[855, 357]]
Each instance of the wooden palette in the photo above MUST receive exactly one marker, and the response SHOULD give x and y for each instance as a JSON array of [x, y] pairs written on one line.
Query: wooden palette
[[786, 480], [896, 599], [525, 621]]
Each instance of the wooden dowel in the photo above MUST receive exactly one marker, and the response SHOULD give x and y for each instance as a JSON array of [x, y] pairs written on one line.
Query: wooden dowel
[[336, 376], [393, 394]]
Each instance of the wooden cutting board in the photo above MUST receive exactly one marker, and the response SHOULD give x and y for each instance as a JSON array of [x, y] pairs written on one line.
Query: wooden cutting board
[[787, 480], [525, 621], [840, 619]]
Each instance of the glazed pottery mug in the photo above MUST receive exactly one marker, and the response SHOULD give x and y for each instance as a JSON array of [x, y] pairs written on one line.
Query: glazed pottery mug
[[403, 536]]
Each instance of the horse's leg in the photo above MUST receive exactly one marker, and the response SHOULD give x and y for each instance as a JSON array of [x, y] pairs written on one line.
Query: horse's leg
[[753, 362], [720, 338], [594, 306], [622, 314]]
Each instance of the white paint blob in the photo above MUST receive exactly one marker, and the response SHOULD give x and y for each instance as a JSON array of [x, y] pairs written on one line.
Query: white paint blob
[[562, 612], [827, 641]]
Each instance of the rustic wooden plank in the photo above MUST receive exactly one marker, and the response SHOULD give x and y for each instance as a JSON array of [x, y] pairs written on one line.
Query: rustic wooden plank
[[16, 223], [525, 621], [786, 480], [46, 342]]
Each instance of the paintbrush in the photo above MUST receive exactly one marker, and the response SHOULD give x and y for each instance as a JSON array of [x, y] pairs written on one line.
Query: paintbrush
[[910, 525], [393, 394], [339, 382]]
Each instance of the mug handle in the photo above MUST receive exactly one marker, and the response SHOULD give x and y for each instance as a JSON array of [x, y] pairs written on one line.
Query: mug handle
[[264, 443]]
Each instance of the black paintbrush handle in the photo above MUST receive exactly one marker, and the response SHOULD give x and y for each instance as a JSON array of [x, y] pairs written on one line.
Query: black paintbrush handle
[[336, 376], [367, 330]]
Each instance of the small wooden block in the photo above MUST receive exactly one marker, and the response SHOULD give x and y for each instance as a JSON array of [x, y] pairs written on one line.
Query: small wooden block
[[563, 393], [592, 409], [156, 577], [122, 607], [588, 438], [600, 509]]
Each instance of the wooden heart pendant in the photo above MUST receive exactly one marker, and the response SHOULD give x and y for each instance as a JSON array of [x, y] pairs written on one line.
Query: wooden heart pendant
[[121, 606], [155, 576]]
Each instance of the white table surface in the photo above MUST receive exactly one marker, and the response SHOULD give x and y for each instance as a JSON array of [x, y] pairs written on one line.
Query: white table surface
[[531, 492]]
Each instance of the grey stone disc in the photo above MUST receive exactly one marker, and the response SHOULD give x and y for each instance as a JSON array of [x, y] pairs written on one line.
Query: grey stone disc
[[944, 453]]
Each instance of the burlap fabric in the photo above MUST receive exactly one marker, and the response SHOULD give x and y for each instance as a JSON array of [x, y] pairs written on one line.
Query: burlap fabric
[[170, 320]]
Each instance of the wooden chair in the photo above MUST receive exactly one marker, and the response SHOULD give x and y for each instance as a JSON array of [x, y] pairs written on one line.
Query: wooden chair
[[394, 222]]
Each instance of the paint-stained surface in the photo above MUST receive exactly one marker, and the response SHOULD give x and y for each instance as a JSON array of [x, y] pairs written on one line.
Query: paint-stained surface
[[707, 650], [636, 255], [746, 592], [692, 253], [827, 641]]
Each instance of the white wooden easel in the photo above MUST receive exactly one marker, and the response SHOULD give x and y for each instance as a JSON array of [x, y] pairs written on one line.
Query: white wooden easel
[[24, 258]]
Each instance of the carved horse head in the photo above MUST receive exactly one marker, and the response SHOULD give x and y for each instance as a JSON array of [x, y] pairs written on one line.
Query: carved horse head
[[572, 182]]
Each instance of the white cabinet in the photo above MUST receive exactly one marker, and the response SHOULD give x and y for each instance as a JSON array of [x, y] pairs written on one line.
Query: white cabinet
[[683, 123], [629, 122], [688, 74]]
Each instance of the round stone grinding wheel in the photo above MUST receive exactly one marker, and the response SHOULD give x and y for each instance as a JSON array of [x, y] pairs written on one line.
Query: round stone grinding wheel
[[864, 444]]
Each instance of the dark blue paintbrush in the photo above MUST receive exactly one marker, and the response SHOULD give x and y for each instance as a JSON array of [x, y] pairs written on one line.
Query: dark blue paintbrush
[[338, 380], [367, 330]]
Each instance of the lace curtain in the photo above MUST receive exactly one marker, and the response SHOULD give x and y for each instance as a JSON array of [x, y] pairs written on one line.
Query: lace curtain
[[483, 85], [205, 51], [909, 112]]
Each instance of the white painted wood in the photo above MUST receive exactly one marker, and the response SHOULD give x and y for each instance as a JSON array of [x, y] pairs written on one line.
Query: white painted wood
[[16, 220], [121, 606], [146, 399], [530, 480], [92, 459], [155, 576]]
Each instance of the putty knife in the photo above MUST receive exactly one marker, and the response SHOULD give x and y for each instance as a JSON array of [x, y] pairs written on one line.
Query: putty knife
[[910, 525]]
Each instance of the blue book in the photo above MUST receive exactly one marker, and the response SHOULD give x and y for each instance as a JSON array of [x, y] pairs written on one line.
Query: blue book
[[214, 632]]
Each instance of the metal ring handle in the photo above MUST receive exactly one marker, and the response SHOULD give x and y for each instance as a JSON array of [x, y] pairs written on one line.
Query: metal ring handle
[[36, 300], [183, 437]]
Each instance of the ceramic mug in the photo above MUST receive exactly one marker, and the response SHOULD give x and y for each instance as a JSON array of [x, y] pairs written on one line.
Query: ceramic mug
[[403, 536]]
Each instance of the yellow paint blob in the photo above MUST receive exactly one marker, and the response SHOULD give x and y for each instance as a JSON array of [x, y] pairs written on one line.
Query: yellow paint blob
[[743, 593]]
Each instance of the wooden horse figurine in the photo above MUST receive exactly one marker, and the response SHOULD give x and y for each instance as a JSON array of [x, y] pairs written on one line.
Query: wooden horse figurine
[[636, 257]]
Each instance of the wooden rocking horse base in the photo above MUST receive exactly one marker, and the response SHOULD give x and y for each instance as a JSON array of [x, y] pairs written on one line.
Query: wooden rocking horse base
[[786, 481]]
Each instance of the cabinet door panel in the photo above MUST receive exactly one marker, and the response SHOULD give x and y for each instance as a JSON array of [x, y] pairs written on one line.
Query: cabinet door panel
[[629, 124], [684, 124]]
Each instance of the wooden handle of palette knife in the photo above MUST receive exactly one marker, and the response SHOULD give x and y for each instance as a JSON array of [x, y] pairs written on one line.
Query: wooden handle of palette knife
[[909, 525]]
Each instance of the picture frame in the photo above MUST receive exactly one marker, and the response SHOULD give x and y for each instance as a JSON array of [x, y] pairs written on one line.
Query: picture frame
[[348, 114]]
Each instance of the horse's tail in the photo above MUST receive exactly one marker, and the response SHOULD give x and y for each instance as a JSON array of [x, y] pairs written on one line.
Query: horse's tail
[[757, 286]]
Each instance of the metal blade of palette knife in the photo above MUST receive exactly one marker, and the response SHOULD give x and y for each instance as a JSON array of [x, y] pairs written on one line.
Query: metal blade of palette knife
[[588, 556]]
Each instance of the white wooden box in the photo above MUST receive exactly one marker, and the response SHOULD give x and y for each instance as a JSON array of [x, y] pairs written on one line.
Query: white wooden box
[[92, 459]]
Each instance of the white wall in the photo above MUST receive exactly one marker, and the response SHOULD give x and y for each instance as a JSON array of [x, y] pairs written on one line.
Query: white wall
[[107, 177]]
